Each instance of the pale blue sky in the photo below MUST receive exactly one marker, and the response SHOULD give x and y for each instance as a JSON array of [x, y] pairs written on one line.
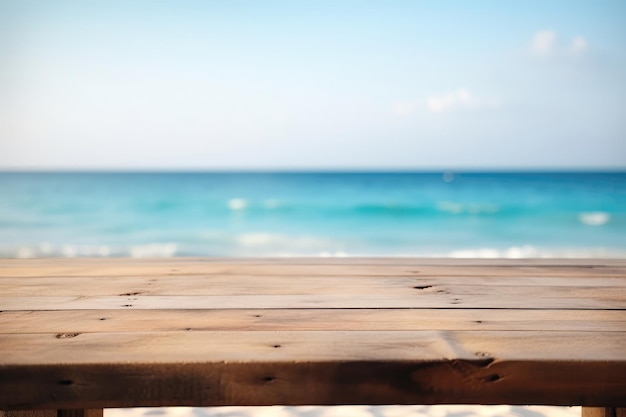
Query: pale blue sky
[[312, 84]]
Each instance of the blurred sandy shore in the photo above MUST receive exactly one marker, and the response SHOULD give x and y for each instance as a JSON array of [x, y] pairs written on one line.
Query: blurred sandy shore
[[351, 411]]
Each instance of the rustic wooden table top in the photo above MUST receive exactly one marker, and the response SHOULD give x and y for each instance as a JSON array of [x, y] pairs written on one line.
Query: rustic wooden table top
[[93, 333]]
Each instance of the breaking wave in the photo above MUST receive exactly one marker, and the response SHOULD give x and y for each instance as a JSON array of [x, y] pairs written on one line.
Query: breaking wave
[[594, 218], [277, 245]]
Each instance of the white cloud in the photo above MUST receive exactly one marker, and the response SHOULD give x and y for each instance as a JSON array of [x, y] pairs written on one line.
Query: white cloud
[[464, 96], [448, 101], [459, 99], [543, 43], [546, 43], [578, 45], [404, 107]]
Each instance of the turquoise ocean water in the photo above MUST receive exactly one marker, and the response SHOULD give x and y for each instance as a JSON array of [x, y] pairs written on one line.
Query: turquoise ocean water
[[313, 214]]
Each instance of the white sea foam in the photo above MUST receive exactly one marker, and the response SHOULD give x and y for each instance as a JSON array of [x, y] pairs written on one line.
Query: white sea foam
[[104, 250], [276, 244], [518, 252], [337, 254], [260, 239], [469, 208], [69, 251], [286, 246], [594, 218], [45, 248], [514, 252], [237, 204], [25, 253], [292, 250], [154, 250]]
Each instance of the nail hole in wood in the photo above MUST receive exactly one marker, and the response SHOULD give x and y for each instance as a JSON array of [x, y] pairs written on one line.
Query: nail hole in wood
[[276, 346], [423, 287], [66, 335], [127, 305], [66, 382], [492, 378], [102, 318], [269, 379]]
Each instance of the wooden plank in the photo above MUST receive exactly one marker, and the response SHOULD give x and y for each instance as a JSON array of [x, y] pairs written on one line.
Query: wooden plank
[[303, 384], [89, 412], [97, 412], [606, 298], [28, 413], [294, 368], [310, 384], [101, 321], [309, 346], [95, 267], [311, 331], [237, 284]]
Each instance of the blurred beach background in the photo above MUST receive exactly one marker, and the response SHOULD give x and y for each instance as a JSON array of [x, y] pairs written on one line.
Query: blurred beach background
[[313, 128], [509, 215]]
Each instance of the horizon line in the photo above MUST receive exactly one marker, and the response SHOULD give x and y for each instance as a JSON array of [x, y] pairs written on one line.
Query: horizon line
[[338, 170]]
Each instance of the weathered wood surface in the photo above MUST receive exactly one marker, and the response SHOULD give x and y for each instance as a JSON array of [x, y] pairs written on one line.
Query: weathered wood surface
[[316, 267], [53, 413], [89, 333], [105, 321]]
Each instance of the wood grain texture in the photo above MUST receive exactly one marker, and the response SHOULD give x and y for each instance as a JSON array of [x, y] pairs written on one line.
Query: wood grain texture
[[606, 298], [306, 383], [313, 267], [28, 413], [96, 412], [310, 346], [99, 321], [89, 412], [93, 333], [250, 284]]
